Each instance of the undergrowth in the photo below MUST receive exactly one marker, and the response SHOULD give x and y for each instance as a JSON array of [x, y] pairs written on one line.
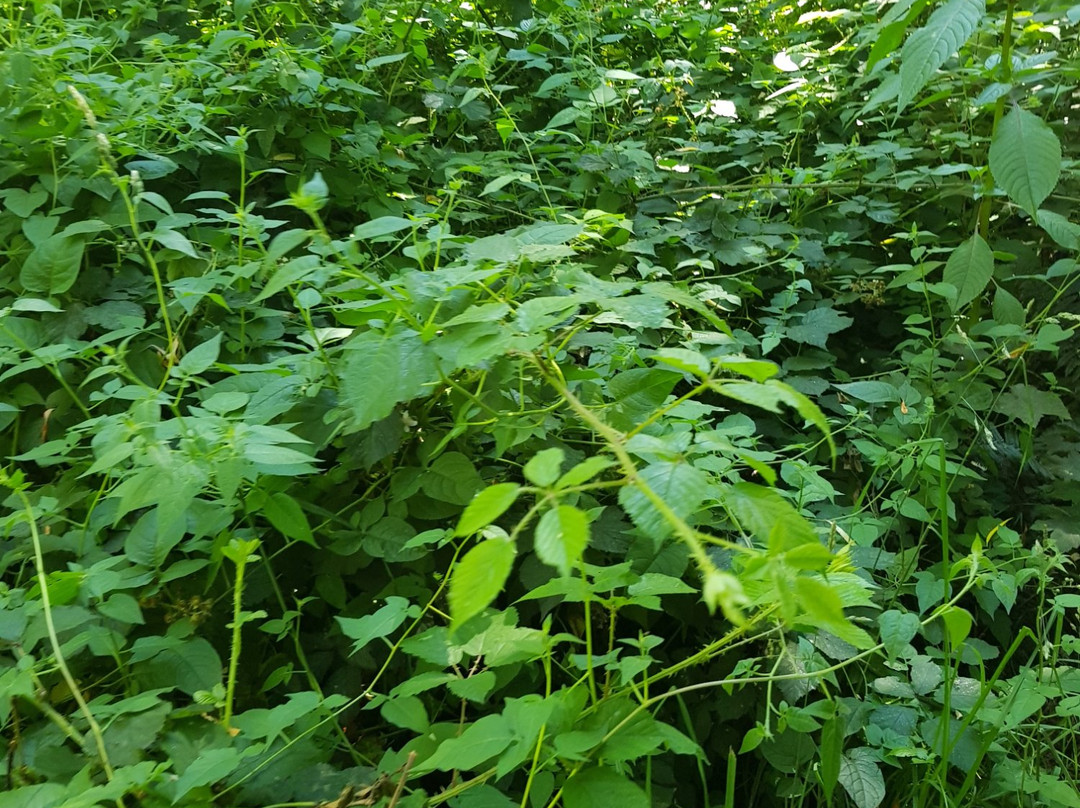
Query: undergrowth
[[584, 405]]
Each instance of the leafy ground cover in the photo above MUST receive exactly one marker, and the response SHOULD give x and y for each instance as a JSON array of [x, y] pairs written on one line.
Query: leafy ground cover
[[618, 404]]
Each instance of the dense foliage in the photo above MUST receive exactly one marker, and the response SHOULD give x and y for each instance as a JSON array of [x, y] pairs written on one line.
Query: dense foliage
[[638, 404]]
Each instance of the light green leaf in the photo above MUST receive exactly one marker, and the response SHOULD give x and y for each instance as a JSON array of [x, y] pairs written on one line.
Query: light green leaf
[[383, 622], [969, 269], [174, 240], [601, 786], [681, 486], [287, 516], [584, 471], [383, 226], [1007, 309], [486, 507], [210, 766], [481, 741], [478, 579], [765, 514], [829, 754], [201, 357], [382, 371], [926, 50], [543, 469], [561, 537], [53, 265], [1025, 159], [958, 623], [861, 777], [407, 712]]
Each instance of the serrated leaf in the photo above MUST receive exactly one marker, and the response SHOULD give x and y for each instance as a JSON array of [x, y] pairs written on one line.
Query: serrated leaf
[[861, 777], [584, 471], [1060, 229], [561, 537], [478, 579], [53, 265], [765, 514], [926, 50], [1025, 158], [486, 507], [382, 371], [969, 269], [680, 485], [544, 467]]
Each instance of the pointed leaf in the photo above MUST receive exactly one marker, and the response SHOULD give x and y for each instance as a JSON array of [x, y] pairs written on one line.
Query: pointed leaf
[[561, 537], [53, 265], [382, 371], [478, 579], [969, 269], [926, 50], [600, 786], [486, 507], [1025, 159], [861, 778]]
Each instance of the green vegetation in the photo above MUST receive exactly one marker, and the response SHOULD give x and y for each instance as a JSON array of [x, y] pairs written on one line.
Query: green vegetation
[[630, 404]]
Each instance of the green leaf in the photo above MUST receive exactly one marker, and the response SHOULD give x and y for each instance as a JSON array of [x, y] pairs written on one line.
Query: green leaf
[[765, 514], [174, 240], [478, 579], [897, 630], [481, 741], [584, 471], [926, 50], [382, 371], [1060, 229], [383, 226], [287, 516], [486, 507], [407, 712], [201, 357], [544, 467], [382, 623], [1025, 159], [210, 766], [969, 269], [451, 478], [681, 486], [829, 754], [1029, 404], [1007, 309], [817, 325], [561, 537], [870, 392], [958, 623], [861, 777], [601, 786], [53, 265]]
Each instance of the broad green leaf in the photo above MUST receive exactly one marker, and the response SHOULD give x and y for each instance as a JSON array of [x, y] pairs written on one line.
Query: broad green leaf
[[1060, 229], [383, 226], [817, 325], [479, 578], [1029, 404], [451, 478], [861, 777], [772, 393], [769, 517], [544, 467], [481, 741], [382, 371], [190, 665], [285, 514], [53, 265], [602, 786], [486, 507], [407, 712], [1025, 158], [958, 623], [561, 537], [383, 622], [926, 50], [208, 767], [969, 269], [681, 486], [870, 392], [897, 630], [201, 357], [584, 471], [174, 240], [822, 604], [1007, 309], [889, 35]]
